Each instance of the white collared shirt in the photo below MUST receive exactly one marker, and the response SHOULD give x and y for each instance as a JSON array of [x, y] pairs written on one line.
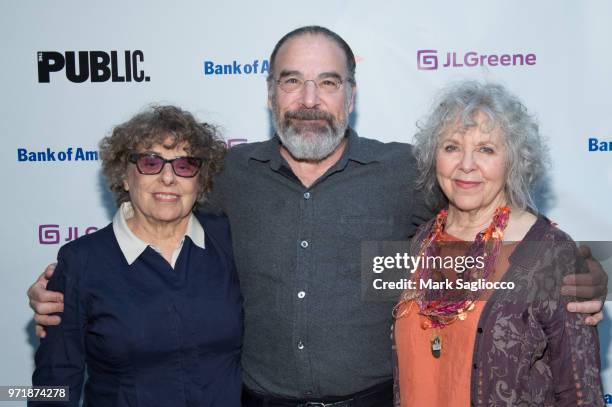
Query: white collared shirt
[[132, 246]]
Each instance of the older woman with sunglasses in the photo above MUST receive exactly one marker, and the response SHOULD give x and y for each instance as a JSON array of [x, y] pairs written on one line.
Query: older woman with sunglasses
[[152, 306]]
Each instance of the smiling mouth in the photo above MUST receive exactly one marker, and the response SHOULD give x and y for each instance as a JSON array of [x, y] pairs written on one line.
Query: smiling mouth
[[165, 197], [311, 120], [467, 184]]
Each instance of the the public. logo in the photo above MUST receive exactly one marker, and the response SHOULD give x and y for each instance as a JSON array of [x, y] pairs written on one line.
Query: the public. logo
[[54, 234], [431, 59], [599, 145], [50, 155], [257, 66], [92, 66]]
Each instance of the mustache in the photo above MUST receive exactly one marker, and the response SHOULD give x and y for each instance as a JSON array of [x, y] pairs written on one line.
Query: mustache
[[309, 114]]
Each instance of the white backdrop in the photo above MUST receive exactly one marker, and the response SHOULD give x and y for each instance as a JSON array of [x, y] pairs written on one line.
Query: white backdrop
[[567, 84]]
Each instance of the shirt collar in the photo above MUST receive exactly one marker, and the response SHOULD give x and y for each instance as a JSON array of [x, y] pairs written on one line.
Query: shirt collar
[[132, 246], [355, 151]]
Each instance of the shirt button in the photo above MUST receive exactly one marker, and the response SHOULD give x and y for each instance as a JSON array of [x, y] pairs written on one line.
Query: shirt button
[[300, 345], [475, 366], [301, 294], [304, 244], [306, 195], [479, 330]]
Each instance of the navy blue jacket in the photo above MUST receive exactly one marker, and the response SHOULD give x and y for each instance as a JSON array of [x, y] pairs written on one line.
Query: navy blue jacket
[[148, 335]]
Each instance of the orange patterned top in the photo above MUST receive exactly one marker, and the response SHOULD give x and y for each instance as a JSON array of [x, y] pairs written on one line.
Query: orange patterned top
[[428, 381]]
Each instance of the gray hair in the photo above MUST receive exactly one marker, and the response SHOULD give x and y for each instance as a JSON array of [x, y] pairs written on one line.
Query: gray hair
[[456, 108]]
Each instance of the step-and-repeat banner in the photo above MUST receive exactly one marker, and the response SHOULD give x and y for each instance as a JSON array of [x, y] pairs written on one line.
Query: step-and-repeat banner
[[71, 70]]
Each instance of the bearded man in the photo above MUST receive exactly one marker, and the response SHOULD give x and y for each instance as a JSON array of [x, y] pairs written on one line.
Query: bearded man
[[300, 204]]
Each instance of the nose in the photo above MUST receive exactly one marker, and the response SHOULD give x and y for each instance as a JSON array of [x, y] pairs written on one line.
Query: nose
[[310, 94], [467, 163], [168, 177]]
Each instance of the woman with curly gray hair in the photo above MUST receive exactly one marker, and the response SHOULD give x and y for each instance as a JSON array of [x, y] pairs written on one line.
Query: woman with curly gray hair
[[481, 150], [152, 305]]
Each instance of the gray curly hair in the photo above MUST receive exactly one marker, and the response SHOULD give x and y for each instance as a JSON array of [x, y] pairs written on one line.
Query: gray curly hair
[[455, 109]]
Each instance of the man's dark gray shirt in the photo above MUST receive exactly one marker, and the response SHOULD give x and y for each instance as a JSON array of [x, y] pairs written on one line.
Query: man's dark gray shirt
[[308, 333]]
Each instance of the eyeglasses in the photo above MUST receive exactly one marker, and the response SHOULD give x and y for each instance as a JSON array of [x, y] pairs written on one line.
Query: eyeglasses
[[151, 164], [291, 84]]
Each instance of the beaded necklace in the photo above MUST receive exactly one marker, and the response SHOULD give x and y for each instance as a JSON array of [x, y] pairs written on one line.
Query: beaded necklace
[[440, 313]]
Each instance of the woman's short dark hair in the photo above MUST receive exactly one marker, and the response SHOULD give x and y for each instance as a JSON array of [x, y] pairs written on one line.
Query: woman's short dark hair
[[154, 126]]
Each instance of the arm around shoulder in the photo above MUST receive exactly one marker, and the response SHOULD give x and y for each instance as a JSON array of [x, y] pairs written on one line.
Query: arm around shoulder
[[60, 358], [574, 345]]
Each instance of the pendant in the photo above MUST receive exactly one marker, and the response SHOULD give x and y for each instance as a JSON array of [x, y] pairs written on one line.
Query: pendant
[[436, 346]]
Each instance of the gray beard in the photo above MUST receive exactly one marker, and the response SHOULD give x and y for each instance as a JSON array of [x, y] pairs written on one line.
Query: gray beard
[[314, 147], [313, 142]]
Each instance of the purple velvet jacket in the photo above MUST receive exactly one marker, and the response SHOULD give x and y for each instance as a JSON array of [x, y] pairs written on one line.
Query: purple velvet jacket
[[529, 350]]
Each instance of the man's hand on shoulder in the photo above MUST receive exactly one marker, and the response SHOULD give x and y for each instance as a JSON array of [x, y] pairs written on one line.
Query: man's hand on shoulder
[[592, 286], [44, 302]]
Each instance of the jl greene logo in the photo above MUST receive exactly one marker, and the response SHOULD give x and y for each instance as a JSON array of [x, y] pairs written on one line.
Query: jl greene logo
[[427, 60], [92, 66], [54, 234]]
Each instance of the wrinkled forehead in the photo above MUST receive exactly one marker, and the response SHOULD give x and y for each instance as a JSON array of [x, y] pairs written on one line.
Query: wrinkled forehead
[[311, 55], [480, 124]]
